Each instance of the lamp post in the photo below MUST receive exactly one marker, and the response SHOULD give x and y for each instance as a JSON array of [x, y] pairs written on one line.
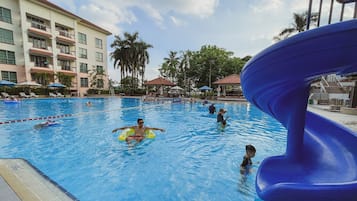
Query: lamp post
[[210, 72]]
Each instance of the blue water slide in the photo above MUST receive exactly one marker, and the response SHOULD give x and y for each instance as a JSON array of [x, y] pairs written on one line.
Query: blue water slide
[[320, 162]]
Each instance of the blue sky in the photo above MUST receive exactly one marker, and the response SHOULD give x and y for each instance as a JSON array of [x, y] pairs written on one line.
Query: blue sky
[[244, 27]]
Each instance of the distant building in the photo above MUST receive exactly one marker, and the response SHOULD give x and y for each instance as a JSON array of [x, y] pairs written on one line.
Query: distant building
[[40, 40]]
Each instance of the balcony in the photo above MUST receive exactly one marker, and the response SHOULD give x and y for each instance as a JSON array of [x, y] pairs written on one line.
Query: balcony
[[68, 70], [41, 51], [66, 55], [65, 37], [41, 68], [40, 29]]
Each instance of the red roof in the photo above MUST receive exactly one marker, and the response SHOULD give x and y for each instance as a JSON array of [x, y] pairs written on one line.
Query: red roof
[[159, 81], [229, 80]]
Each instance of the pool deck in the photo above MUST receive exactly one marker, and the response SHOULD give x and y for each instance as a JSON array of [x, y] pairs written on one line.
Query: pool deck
[[348, 120], [21, 181]]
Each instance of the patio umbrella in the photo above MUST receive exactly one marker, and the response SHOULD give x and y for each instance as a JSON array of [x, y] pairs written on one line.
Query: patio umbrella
[[205, 88], [176, 88], [7, 83], [56, 85], [29, 84]]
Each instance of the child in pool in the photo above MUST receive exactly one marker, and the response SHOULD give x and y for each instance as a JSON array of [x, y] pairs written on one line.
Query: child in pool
[[247, 159]]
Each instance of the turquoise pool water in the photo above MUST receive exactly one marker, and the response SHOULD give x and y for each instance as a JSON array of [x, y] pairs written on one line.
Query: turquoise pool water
[[192, 160]]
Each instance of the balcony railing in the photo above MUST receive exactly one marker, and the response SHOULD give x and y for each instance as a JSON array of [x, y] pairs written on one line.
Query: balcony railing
[[38, 26], [39, 29], [65, 34], [68, 68]]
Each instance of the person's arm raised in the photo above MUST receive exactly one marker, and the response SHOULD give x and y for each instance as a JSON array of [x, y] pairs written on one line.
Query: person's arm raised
[[122, 128]]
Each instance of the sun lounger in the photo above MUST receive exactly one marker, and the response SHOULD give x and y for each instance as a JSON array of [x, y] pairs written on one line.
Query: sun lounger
[[32, 94], [23, 95], [52, 94], [59, 94], [5, 95]]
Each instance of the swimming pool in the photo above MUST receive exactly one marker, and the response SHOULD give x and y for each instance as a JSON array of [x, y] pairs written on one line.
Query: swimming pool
[[192, 160]]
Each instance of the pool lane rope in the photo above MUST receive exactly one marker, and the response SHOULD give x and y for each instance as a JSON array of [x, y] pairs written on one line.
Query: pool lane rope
[[71, 115]]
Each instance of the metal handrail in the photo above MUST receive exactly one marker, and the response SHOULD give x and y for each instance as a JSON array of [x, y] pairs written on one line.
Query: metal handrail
[[343, 2]]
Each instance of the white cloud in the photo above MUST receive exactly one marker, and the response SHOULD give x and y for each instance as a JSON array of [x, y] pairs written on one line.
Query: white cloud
[[200, 8], [177, 21], [266, 5]]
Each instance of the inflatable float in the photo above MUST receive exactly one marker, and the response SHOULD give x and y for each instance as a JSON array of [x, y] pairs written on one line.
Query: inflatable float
[[11, 101], [130, 131]]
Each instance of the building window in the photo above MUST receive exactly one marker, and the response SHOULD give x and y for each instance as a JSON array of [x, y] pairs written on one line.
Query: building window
[[100, 83], [98, 43], [82, 38], [63, 31], [99, 56], [38, 42], [9, 76], [65, 64], [6, 36], [64, 48], [37, 23], [7, 57], [100, 70], [83, 67], [82, 53], [5, 15], [39, 61], [84, 82]]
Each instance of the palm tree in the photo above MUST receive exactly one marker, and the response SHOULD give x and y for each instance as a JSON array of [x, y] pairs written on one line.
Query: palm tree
[[130, 55], [170, 66], [299, 25], [143, 58]]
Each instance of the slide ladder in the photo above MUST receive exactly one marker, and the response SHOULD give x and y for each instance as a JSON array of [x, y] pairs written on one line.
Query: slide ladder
[[320, 162]]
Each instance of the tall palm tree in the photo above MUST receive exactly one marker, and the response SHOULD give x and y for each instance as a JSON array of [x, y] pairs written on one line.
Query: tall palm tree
[[171, 65], [299, 25], [143, 58], [130, 55]]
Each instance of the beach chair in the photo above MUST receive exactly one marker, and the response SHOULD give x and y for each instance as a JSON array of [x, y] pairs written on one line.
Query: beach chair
[[23, 95], [52, 94], [33, 95], [59, 94], [5, 95]]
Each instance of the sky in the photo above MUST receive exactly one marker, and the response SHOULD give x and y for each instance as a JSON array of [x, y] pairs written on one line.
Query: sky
[[244, 27]]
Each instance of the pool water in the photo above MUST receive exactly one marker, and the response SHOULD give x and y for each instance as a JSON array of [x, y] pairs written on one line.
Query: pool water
[[192, 160]]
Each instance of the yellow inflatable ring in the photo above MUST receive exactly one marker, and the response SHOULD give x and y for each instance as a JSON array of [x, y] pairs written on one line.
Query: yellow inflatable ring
[[130, 131]]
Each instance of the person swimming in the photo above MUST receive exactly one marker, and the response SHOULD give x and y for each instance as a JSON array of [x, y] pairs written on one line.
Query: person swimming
[[45, 124]]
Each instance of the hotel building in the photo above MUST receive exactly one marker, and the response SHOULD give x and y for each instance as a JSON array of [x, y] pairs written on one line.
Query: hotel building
[[42, 42]]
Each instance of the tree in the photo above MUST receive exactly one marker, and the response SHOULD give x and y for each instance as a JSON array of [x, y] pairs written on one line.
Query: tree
[[299, 25], [170, 66], [96, 78], [64, 79], [130, 55]]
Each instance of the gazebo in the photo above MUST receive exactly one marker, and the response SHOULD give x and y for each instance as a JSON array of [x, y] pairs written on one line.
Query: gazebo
[[231, 80], [158, 82]]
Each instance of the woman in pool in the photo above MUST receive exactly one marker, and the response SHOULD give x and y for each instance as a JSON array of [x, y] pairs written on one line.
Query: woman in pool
[[139, 131]]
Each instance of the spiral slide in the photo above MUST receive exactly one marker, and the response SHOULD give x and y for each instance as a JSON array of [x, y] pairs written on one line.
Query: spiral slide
[[320, 162]]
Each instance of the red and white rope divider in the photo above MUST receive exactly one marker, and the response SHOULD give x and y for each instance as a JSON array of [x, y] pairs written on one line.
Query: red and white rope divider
[[36, 118], [67, 115]]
